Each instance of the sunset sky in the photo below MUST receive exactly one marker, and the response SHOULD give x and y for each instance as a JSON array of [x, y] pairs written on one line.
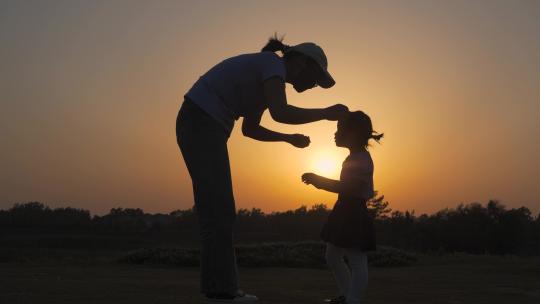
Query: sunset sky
[[90, 90]]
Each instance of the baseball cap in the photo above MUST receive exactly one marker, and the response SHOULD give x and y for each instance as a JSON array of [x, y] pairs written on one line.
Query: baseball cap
[[316, 53]]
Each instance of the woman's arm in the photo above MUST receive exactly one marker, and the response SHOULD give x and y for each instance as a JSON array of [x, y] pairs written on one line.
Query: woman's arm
[[251, 128], [274, 91]]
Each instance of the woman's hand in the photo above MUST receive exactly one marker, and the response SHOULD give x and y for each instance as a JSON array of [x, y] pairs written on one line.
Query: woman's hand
[[299, 140], [336, 112], [311, 179]]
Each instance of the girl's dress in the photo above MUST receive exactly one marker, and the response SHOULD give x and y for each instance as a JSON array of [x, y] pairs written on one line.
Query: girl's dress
[[350, 225]]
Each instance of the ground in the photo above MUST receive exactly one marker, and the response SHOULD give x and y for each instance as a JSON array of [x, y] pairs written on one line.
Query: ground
[[458, 279]]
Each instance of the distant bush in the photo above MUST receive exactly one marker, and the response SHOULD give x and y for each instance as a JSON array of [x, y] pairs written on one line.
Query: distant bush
[[37, 215], [391, 257], [469, 228], [298, 255]]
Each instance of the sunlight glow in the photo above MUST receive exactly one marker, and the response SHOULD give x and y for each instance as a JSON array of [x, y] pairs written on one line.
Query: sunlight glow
[[327, 165]]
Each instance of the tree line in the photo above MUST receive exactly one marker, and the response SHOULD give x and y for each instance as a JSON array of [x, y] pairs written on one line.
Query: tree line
[[474, 228]]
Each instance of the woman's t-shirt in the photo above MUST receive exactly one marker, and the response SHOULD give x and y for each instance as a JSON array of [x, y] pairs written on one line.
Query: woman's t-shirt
[[234, 87]]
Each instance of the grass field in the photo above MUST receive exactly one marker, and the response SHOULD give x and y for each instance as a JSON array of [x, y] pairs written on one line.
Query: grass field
[[449, 279]]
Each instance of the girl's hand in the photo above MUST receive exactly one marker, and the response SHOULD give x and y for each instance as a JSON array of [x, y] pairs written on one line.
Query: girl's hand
[[310, 179], [299, 140], [337, 112]]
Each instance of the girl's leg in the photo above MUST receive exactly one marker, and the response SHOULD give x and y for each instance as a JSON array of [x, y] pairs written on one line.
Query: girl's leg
[[359, 268], [334, 258]]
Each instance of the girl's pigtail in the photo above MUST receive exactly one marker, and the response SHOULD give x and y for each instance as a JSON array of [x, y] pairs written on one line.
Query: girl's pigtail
[[377, 137]]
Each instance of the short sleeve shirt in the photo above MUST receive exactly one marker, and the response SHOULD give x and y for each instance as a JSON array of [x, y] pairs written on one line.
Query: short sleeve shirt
[[234, 87], [358, 169]]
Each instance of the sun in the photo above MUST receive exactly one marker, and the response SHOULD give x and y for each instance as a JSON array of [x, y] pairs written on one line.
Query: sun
[[326, 164]]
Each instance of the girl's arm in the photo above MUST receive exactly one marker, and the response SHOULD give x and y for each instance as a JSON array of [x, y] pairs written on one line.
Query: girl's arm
[[251, 128], [331, 185], [321, 182], [274, 92]]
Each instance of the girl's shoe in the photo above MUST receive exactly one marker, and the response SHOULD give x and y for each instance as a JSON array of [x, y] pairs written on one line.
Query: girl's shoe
[[336, 300]]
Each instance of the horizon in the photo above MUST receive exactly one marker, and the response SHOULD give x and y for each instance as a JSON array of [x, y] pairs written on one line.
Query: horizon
[[91, 91], [483, 204]]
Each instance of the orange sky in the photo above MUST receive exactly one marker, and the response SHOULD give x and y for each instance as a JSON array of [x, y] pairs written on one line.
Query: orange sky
[[90, 91]]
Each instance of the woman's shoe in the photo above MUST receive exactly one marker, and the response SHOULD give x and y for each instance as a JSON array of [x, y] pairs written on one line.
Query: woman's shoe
[[240, 297]]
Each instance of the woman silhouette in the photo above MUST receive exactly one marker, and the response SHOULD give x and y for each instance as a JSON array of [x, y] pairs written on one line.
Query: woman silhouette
[[241, 86]]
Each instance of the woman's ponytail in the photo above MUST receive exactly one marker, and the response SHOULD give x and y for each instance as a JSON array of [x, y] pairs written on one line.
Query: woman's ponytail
[[275, 44]]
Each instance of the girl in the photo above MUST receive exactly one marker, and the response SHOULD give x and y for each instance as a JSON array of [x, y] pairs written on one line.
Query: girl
[[349, 232], [242, 86]]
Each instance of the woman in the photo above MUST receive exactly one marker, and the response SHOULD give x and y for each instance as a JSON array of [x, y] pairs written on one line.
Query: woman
[[242, 86]]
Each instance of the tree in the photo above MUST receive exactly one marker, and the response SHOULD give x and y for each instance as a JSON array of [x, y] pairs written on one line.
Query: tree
[[378, 207]]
